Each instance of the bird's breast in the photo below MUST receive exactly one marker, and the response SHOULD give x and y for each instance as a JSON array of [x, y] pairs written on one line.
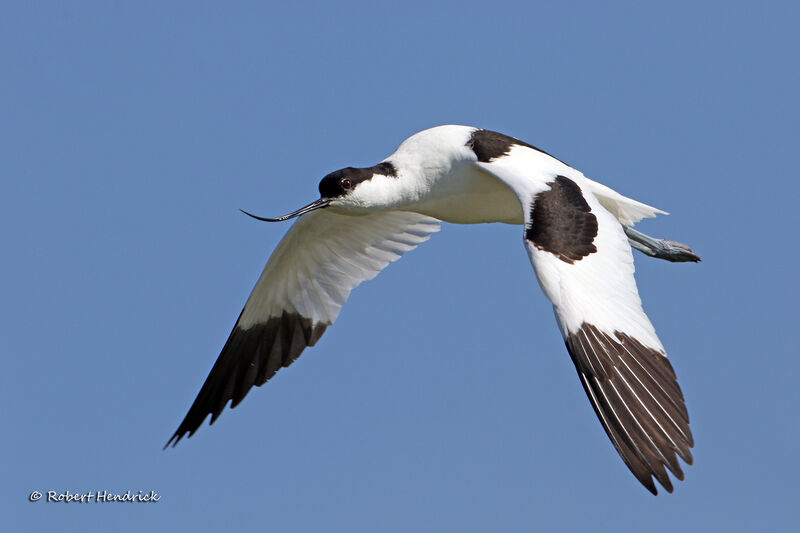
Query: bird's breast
[[469, 195]]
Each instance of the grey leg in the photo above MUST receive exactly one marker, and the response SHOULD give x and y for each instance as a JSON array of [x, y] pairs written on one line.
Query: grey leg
[[676, 252]]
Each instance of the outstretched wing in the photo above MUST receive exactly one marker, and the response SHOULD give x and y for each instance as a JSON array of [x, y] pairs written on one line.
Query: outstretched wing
[[299, 294], [585, 267]]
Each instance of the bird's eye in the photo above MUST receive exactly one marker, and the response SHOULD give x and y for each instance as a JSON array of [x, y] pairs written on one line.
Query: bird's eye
[[347, 184]]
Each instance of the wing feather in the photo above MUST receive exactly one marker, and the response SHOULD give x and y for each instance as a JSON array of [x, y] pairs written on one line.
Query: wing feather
[[300, 293], [585, 267]]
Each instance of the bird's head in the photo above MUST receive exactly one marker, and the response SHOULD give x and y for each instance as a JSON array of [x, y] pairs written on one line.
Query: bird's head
[[344, 189]]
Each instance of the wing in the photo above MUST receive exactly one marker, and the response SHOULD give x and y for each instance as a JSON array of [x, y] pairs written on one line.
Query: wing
[[585, 267], [299, 294]]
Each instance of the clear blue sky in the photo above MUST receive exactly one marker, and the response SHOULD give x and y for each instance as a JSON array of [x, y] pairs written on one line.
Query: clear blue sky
[[443, 399]]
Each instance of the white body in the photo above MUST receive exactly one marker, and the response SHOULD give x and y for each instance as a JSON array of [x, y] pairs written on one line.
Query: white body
[[438, 177], [581, 256]]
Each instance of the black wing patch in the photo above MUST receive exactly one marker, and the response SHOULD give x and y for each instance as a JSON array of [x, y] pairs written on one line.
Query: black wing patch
[[562, 223], [250, 357], [635, 394], [488, 145]]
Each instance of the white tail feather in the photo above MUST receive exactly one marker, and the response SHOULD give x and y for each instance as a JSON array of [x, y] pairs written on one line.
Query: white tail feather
[[626, 210]]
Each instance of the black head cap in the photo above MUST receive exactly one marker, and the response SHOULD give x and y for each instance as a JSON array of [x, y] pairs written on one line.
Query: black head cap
[[343, 181]]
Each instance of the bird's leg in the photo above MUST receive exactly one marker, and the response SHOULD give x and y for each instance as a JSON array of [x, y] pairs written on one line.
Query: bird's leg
[[676, 252]]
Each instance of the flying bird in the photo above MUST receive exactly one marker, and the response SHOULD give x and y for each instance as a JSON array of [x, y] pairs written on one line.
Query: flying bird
[[578, 236]]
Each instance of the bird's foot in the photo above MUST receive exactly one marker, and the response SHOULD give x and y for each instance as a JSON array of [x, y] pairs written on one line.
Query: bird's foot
[[674, 251]]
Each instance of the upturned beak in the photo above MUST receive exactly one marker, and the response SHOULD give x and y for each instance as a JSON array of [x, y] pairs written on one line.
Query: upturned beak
[[319, 204]]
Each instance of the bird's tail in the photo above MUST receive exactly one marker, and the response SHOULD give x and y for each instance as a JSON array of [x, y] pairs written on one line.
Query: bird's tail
[[627, 210]]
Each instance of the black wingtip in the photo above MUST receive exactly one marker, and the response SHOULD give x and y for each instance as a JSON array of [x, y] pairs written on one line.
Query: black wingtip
[[249, 358], [174, 440], [617, 370]]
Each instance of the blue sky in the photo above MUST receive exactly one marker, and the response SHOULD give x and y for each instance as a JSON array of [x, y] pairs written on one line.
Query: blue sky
[[443, 399]]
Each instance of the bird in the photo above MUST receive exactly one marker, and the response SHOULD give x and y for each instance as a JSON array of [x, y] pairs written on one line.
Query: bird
[[579, 238]]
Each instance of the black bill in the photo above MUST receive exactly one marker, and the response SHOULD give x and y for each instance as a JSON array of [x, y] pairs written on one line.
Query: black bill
[[322, 202]]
